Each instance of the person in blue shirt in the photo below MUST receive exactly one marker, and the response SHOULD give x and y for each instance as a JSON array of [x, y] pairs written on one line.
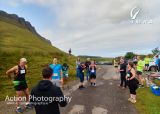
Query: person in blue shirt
[[81, 75], [157, 61], [57, 78]]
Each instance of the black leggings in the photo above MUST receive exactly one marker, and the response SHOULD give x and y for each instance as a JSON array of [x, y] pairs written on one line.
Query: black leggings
[[123, 79], [133, 85]]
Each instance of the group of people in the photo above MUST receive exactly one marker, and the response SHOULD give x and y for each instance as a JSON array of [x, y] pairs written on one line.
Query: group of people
[[128, 78], [54, 75], [90, 68], [53, 78], [131, 73]]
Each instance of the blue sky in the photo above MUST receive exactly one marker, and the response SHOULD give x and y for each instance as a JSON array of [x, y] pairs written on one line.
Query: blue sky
[[93, 27]]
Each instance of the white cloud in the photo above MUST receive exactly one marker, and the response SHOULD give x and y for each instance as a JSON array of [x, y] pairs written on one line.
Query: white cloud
[[101, 27]]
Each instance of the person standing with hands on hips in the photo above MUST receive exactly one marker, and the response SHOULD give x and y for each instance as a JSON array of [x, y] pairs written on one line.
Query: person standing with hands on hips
[[20, 83], [57, 77]]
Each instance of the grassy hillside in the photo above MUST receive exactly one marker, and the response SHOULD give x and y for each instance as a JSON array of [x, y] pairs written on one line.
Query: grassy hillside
[[17, 42]]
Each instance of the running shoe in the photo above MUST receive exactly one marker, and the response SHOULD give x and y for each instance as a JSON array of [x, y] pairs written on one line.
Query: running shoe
[[133, 101], [130, 99], [141, 86], [19, 110], [94, 84], [81, 87], [28, 106]]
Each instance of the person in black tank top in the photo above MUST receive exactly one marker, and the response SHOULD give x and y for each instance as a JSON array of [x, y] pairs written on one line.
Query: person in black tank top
[[92, 72], [20, 75], [132, 82], [19, 82]]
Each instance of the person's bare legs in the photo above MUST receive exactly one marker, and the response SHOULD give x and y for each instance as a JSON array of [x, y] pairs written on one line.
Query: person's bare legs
[[140, 79], [94, 80], [26, 92], [18, 94]]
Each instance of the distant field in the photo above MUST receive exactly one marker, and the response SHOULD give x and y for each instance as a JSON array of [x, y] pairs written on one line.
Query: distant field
[[97, 59]]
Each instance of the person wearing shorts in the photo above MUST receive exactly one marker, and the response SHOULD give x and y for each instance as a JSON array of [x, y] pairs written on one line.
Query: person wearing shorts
[[65, 71], [20, 83], [92, 70], [147, 60], [57, 77], [132, 82], [140, 68], [81, 75]]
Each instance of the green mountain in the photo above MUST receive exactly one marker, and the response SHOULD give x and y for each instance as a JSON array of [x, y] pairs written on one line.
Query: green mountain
[[18, 38]]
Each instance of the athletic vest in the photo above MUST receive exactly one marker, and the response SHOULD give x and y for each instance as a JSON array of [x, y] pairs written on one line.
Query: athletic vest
[[93, 70], [129, 74], [20, 76]]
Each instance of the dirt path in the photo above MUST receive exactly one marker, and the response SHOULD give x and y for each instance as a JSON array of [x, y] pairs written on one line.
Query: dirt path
[[106, 98]]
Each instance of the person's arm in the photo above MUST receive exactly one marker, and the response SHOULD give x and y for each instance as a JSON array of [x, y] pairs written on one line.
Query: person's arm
[[59, 94], [61, 74], [13, 69], [133, 74]]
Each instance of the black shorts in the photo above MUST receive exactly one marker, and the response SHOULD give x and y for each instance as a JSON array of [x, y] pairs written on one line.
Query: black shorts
[[139, 73], [146, 65], [135, 62], [116, 66], [21, 87], [92, 76]]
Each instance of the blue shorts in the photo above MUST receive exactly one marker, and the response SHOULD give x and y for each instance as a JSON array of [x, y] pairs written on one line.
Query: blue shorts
[[81, 77]]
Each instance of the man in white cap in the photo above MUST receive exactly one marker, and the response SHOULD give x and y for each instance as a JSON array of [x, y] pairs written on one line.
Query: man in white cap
[[19, 82]]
